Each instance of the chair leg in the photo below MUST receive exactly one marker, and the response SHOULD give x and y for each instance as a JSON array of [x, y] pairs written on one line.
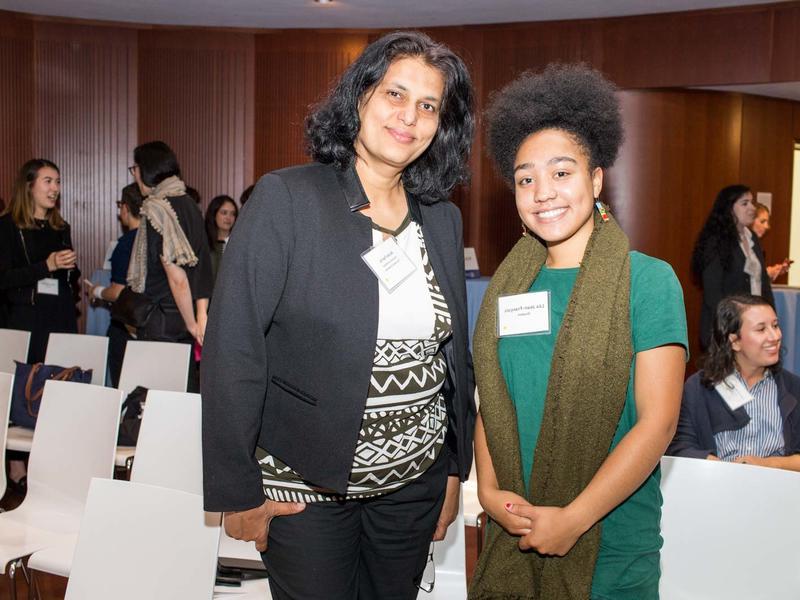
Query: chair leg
[[33, 588], [12, 578], [128, 467]]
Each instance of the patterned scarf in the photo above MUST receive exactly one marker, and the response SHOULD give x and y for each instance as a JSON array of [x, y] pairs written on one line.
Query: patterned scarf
[[159, 214], [585, 395]]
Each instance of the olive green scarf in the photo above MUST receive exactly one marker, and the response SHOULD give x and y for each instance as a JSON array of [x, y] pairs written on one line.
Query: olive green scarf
[[585, 395]]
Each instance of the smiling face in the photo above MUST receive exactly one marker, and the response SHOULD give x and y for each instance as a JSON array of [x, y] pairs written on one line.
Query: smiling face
[[45, 190], [400, 115], [761, 223], [758, 343], [743, 210], [555, 190], [225, 218]]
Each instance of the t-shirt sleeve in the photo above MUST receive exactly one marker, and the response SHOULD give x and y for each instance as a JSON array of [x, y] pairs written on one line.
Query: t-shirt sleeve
[[658, 315], [120, 258]]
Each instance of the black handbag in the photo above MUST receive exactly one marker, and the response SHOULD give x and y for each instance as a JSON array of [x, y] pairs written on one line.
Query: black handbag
[[132, 308]]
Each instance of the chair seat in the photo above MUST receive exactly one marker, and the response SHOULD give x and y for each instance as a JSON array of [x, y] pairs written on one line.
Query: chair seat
[[21, 539], [55, 559], [19, 439]]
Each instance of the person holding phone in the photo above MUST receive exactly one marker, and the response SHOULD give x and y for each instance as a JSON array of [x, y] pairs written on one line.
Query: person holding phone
[[38, 267]]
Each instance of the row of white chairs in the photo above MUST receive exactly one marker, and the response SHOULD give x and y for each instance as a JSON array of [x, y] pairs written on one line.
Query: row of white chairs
[[154, 365], [154, 525]]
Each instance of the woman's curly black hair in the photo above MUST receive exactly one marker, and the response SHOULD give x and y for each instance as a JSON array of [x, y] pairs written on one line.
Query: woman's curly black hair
[[572, 98], [719, 235], [332, 126], [720, 361]]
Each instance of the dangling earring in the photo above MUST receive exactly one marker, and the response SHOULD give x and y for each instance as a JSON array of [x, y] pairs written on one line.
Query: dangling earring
[[602, 210], [524, 230]]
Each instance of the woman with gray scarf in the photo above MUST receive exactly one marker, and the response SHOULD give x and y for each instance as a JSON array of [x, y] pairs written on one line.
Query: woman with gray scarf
[[170, 263]]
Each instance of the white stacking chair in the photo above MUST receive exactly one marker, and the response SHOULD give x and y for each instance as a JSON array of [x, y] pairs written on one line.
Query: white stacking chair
[[730, 531], [6, 389], [164, 545], [449, 559], [67, 350], [13, 346], [79, 350], [169, 454], [156, 366], [75, 437]]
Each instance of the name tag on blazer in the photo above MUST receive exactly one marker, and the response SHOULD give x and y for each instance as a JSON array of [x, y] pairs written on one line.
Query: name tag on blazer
[[389, 263]]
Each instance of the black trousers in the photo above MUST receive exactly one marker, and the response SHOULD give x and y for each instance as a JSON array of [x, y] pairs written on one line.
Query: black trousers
[[374, 549]]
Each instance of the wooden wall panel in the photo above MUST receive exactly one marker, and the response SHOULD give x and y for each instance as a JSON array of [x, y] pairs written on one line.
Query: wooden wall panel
[[681, 148], [85, 122], [691, 48], [294, 70], [767, 155], [196, 94], [16, 98], [786, 44]]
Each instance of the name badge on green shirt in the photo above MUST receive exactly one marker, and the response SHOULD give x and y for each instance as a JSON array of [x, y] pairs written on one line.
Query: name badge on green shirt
[[523, 314]]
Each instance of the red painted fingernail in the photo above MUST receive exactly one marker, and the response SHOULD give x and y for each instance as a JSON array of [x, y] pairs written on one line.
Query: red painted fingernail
[[508, 505]]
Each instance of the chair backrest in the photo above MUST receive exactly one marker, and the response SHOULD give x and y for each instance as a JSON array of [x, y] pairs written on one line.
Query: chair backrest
[[6, 387], [155, 365], [75, 439], [13, 346], [450, 563], [79, 350], [169, 448], [140, 541], [730, 531]]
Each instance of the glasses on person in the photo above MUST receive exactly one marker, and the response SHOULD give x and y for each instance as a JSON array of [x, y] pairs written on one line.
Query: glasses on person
[[131, 169], [428, 580]]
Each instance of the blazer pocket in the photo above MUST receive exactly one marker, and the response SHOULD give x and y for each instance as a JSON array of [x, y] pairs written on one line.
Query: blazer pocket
[[294, 391]]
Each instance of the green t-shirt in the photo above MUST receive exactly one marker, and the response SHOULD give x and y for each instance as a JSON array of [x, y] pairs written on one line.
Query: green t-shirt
[[627, 566]]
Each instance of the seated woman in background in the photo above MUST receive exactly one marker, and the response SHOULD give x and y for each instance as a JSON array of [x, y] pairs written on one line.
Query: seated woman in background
[[221, 215], [742, 407], [760, 227], [727, 258]]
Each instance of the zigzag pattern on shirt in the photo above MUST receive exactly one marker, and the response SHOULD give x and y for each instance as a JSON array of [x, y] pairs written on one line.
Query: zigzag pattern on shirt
[[405, 418], [428, 376]]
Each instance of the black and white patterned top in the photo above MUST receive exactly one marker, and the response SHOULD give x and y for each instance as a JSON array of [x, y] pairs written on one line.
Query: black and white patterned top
[[405, 418]]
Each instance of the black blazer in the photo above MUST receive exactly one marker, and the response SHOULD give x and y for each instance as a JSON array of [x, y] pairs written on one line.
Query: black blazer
[[719, 282], [291, 336]]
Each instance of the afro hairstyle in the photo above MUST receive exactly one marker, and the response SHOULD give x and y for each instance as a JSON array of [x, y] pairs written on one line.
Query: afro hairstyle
[[573, 98]]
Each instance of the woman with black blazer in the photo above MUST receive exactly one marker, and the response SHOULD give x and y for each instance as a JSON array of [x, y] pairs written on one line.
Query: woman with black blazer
[[337, 385], [38, 270], [727, 257]]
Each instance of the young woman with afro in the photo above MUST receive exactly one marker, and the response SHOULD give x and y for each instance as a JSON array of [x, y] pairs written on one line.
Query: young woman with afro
[[579, 357]]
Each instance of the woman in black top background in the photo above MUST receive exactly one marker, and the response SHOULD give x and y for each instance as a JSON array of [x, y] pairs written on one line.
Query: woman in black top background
[[727, 258], [38, 272]]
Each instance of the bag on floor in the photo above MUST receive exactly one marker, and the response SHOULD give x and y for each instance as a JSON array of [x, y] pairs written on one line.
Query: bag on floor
[[131, 422], [29, 383]]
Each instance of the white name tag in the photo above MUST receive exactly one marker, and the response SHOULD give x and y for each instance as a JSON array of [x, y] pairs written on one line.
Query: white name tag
[[390, 264], [523, 314], [48, 286], [733, 392]]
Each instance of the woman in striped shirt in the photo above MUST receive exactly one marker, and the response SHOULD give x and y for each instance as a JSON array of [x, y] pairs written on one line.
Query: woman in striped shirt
[[742, 407]]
